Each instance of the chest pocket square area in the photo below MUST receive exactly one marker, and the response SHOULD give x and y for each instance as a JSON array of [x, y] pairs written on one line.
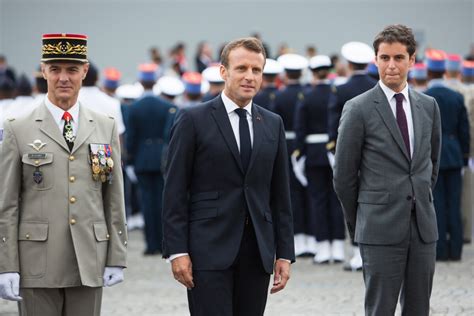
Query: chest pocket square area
[[38, 170]]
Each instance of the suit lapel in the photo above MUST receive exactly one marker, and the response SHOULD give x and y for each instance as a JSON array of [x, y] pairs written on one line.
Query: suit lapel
[[257, 123], [383, 107], [85, 129], [222, 119], [417, 121], [49, 127]]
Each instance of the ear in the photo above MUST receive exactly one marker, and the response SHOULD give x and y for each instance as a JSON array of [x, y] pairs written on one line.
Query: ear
[[43, 71], [412, 60], [223, 72], [86, 69]]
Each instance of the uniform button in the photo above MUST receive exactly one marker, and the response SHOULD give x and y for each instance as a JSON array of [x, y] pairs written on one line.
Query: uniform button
[[108, 236], [120, 232], [125, 243], [72, 200], [409, 197], [27, 236], [72, 178], [72, 221], [37, 162], [4, 239], [71, 158]]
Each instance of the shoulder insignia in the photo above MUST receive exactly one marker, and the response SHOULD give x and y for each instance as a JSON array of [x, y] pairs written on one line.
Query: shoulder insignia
[[334, 89], [11, 119], [111, 117], [331, 145], [172, 110], [272, 96], [300, 96]]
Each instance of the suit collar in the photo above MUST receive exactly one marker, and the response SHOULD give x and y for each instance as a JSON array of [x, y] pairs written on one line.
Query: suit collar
[[49, 127]]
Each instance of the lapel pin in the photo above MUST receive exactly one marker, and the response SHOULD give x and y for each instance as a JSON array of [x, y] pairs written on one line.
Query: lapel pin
[[258, 118], [37, 144]]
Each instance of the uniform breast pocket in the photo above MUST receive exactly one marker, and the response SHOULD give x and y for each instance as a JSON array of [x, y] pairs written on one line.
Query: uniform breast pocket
[[38, 170]]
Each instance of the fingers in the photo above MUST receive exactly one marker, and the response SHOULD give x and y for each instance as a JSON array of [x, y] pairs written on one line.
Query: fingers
[[114, 279], [8, 294], [282, 275], [182, 271]]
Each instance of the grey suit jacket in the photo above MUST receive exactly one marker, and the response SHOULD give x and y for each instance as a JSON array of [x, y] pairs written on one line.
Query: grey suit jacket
[[51, 240], [374, 177]]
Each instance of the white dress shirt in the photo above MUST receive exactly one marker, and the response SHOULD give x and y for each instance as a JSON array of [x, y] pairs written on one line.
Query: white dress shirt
[[234, 118], [58, 113], [390, 94]]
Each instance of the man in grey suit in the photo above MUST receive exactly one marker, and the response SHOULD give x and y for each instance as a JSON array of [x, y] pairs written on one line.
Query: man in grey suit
[[387, 160]]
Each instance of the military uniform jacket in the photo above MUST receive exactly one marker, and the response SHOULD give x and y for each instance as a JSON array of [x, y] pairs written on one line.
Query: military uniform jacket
[[62, 231]]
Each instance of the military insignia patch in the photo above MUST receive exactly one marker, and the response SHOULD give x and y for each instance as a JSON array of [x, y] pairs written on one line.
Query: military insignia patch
[[101, 162], [37, 145]]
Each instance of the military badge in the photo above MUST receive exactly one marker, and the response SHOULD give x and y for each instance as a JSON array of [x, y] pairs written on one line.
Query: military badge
[[101, 162], [37, 144], [37, 176]]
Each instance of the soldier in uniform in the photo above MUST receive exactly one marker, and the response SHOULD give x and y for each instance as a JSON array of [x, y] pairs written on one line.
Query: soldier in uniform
[[192, 89], [111, 81], [216, 83], [169, 88], [266, 96], [419, 77], [285, 106], [149, 123], [62, 222], [454, 155], [358, 56], [325, 215]]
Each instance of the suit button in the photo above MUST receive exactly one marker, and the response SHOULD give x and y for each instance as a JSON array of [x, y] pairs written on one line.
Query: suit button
[[72, 200], [27, 236], [71, 158], [72, 179], [409, 198], [72, 221]]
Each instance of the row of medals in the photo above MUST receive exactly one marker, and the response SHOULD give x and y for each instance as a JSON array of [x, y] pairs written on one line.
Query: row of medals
[[102, 167]]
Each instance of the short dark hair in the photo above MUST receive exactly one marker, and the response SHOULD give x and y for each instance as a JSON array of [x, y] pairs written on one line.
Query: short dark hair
[[250, 43], [396, 33]]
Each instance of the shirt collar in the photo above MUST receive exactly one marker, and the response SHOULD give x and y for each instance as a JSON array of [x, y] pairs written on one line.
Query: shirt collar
[[230, 105], [389, 93], [58, 113]]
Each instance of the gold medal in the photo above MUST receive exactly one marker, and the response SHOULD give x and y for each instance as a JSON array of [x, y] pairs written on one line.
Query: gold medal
[[110, 163], [95, 160], [95, 177], [95, 169], [103, 177]]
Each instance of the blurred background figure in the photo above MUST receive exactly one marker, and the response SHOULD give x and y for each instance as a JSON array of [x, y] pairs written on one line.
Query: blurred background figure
[[373, 71], [111, 81], [6, 70], [178, 58], [324, 210], [358, 55], [265, 45], [418, 77], [454, 155], [40, 87], [266, 96], [192, 89], [7, 94], [169, 88], [285, 105], [216, 84], [203, 56], [307, 78], [157, 59], [24, 102], [149, 123]]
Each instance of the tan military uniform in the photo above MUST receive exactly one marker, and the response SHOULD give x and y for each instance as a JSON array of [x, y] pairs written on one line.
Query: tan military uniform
[[62, 231]]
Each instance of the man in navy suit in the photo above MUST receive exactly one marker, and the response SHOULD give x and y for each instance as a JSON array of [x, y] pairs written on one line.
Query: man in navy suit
[[227, 211], [149, 123]]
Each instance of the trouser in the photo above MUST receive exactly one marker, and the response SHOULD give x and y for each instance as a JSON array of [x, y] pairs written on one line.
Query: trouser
[[240, 290], [151, 191], [447, 202], [408, 266], [326, 210], [69, 301], [467, 202]]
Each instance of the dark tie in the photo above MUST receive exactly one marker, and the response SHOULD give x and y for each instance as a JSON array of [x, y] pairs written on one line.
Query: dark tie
[[67, 130], [245, 145], [402, 121]]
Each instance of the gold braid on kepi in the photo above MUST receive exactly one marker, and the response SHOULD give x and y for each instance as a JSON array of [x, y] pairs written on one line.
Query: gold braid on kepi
[[67, 47]]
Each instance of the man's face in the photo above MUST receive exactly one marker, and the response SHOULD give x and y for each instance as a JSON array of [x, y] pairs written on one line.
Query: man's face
[[394, 62], [64, 80], [243, 76]]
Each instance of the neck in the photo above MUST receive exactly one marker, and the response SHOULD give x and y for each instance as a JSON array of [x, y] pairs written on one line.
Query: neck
[[63, 104]]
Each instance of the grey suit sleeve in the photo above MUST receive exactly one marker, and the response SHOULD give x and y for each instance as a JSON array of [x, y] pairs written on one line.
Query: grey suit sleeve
[[349, 147], [10, 187], [177, 181], [435, 143]]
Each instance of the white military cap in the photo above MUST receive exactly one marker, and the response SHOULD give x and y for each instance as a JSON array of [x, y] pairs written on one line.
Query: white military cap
[[357, 52], [293, 62], [272, 67], [129, 91], [212, 74], [320, 61], [169, 85]]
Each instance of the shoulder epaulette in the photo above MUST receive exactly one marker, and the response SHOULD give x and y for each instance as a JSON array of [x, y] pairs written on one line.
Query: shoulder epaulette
[[172, 110]]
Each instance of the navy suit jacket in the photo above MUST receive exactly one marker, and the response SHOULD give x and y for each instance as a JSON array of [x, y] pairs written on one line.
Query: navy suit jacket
[[207, 194], [312, 118], [454, 127], [356, 85], [149, 122]]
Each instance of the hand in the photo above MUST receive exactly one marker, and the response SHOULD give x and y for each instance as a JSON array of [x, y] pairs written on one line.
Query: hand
[[299, 169], [282, 275], [112, 276], [182, 268], [130, 171], [10, 286]]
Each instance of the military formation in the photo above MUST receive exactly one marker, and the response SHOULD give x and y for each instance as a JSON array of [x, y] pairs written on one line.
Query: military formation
[[98, 149]]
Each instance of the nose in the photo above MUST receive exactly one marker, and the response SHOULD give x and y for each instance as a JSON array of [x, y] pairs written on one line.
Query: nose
[[249, 75], [391, 63], [63, 76]]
